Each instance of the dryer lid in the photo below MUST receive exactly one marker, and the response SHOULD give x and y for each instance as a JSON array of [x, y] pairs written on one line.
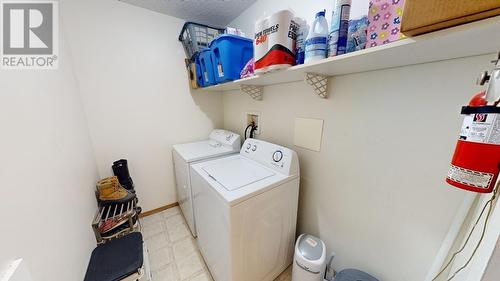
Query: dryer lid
[[237, 173], [201, 150]]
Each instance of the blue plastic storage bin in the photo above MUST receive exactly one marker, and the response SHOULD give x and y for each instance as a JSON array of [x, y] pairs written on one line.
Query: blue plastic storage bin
[[199, 73], [206, 58], [231, 53]]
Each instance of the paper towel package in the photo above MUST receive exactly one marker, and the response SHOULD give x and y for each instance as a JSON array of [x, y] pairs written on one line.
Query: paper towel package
[[275, 39]]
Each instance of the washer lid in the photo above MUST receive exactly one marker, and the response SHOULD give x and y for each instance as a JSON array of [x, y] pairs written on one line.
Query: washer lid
[[201, 150], [237, 173], [310, 247]]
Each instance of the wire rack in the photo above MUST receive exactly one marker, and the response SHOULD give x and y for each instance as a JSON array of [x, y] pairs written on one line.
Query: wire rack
[[124, 216]]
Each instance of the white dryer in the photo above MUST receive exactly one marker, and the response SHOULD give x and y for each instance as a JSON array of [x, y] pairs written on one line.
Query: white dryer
[[220, 143], [246, 211]]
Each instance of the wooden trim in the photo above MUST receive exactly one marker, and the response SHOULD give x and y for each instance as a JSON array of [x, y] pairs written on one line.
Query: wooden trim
[[157, 210]]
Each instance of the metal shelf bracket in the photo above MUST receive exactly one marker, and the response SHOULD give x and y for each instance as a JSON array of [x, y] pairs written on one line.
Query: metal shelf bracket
[[255, 92], [318, 83]]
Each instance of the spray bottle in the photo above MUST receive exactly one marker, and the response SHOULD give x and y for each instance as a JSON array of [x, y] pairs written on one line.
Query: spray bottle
[[300, 48], [339, 27]]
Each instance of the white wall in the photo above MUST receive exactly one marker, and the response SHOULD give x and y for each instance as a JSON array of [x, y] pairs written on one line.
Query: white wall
[[493, 269], [47, 173], [376, 192], [131, 73], [485, 253]]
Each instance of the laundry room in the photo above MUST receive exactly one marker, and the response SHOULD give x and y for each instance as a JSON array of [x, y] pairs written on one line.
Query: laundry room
[[249, 140]]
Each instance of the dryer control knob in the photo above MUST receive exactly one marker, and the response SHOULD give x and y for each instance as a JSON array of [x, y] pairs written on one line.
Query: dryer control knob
[[277, 156], [249, 146], [254, 148]]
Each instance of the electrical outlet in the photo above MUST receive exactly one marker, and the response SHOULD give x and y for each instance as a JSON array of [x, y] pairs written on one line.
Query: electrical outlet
[[255, 118]]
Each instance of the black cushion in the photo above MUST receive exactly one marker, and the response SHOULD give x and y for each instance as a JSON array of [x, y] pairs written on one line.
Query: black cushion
[[116, 259]]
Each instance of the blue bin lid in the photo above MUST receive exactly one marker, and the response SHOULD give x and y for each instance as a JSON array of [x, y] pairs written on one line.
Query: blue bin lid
[[205, 50], [230, 37]]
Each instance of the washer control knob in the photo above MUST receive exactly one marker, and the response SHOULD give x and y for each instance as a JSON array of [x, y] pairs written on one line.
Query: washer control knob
[[277, 156], [249, 146], [254, 147]]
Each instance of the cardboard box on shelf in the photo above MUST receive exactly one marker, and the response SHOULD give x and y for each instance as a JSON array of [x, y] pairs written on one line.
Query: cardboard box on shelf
[[191, 69], [423, 16]]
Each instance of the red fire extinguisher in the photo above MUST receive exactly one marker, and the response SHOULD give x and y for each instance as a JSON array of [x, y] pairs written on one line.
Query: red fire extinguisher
[[476, 162]]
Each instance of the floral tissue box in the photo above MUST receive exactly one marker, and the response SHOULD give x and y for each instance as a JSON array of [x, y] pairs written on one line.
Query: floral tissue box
[[384, 22]]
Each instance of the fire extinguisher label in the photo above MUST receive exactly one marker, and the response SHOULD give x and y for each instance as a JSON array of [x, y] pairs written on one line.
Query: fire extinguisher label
[[482, 128], [469, 177]]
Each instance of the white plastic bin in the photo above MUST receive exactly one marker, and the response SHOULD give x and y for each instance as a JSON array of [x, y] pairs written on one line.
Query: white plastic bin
[[309, 262]]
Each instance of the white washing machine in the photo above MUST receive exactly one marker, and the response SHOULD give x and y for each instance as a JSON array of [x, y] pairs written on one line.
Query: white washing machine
[[220, 143], [246, 211]]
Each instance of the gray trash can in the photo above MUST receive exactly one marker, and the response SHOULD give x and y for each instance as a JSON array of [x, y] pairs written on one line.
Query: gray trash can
[[354, 275]]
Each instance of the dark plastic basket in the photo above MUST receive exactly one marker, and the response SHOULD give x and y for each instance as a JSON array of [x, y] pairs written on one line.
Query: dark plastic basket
[[195, 37]]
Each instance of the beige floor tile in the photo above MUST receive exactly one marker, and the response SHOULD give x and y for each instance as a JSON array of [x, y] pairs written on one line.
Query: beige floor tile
[[171, 212], [161, 258], [153, 229], [202, 276], [151, 220], [174, 254], [286, 275], [177, 231], [157, 242], [175, 220], [183, 248], [169, 273], [189, 266]]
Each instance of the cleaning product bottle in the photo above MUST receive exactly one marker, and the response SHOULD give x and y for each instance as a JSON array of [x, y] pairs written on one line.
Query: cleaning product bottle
[[337, 43], [300, 48], [316, 43]]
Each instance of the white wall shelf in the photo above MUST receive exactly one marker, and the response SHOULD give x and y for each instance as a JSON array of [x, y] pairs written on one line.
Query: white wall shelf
[[477, 38]]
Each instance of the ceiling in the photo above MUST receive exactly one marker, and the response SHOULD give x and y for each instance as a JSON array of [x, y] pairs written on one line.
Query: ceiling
[[218, 13]]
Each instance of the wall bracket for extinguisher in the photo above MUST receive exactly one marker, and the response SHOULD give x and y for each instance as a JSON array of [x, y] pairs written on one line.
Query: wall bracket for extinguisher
[[319, 83], [493, 92], [255, 92]]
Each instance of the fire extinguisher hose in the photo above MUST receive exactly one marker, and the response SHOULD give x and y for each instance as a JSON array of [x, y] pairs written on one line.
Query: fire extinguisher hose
[[489, 205]]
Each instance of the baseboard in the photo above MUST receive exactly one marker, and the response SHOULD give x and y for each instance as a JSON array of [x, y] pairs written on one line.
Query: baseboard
[[157, 210]]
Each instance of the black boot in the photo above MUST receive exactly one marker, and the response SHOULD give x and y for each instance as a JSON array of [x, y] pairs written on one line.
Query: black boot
[[120, 169]]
